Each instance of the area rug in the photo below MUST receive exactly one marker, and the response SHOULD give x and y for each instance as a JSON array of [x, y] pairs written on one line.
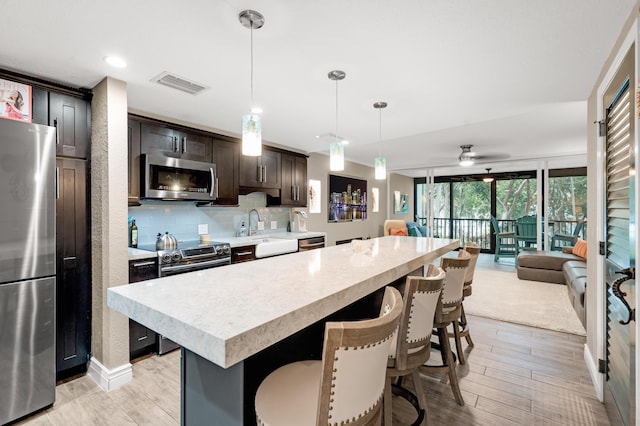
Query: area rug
[[501, 295]]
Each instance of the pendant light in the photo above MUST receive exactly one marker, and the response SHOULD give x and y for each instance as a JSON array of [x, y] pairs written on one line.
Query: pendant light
[[336, 149], [380, 163], [252, 122]]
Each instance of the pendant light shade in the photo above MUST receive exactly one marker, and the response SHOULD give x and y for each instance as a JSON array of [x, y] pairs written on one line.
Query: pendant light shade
[[251, 123], [380, 163], [381, 168], [336, 157], [251, 135], [336, 150]]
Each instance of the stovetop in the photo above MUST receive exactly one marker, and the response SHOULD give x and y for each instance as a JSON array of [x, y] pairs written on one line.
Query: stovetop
[[182, 245]]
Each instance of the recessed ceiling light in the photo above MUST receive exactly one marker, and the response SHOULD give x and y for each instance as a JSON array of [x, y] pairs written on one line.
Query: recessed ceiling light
[[115, 61]]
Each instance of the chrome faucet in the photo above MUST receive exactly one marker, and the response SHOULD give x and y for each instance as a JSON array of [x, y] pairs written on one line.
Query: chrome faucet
[[251, 231]]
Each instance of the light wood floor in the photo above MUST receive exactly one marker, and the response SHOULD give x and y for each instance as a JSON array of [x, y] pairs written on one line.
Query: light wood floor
[[515, 375]]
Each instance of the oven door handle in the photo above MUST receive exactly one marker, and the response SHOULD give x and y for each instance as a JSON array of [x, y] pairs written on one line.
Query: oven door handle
[[194, 266]]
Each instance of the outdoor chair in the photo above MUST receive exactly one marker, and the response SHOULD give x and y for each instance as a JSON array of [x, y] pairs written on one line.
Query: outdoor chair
[[560, 240], [505, 242]]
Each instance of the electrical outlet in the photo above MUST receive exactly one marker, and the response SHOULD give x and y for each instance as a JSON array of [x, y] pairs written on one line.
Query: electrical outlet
[[260, 226], [203, 229], [274, 224]]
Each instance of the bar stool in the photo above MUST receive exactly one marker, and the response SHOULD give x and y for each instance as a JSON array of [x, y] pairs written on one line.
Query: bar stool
[[346, 386], [447, 312], [460, 326], [411, 347]]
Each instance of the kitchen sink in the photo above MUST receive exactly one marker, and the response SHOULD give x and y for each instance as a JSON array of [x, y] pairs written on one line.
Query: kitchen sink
[[269, 246]]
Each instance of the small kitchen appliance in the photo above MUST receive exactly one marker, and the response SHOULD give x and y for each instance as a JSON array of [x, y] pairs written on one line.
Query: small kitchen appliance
[[298, 220]]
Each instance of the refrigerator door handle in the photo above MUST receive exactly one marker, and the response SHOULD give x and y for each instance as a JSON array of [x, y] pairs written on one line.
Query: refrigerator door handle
[[57, 183], [55, 124]]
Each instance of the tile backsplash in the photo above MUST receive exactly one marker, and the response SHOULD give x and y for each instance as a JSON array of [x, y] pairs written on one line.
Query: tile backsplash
[[182, 218]]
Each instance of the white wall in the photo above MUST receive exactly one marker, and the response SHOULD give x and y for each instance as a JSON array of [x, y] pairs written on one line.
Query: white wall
[[318, 169]]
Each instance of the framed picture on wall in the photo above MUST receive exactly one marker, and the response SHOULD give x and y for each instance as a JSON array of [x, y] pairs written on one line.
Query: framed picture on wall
[[400, 203], [15, 100], [347, 199]]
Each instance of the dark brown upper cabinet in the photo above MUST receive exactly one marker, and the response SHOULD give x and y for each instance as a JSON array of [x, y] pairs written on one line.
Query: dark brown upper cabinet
[[262, 171], [133, 138], [71, 117], [294, 180], [225, 157], [177, 143]]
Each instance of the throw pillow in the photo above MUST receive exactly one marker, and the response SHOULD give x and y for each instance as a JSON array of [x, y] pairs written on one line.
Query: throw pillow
[[423, 230], [413, 229], [580, 249], [399, 231]]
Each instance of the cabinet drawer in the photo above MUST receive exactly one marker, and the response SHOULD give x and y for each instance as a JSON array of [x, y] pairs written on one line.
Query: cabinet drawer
[[310, 243], [243, 254]]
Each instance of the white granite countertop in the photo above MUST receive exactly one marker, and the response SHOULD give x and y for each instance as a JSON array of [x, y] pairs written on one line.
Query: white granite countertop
[[228, 314]]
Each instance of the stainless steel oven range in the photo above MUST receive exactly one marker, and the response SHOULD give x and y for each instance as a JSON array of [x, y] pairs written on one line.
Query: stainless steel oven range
[[189, 256]]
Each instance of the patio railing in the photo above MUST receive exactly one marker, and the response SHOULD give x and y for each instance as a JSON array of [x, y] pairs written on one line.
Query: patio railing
[[479, 230]]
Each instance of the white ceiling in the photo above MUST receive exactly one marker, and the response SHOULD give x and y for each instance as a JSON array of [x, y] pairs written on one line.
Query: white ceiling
[[508, 76]]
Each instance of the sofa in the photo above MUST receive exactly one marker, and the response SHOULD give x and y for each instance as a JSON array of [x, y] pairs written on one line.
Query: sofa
[[568, 267], [401, 227]]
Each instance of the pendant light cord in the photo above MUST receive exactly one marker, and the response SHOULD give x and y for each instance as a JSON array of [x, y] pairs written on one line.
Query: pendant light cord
[[251, 67], [380, 134], [336, 111]]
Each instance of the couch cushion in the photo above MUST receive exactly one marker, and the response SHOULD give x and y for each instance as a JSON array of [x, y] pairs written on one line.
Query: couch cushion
[[574, 271], [551, 260], [414, 230], [579, 286], [544, 275]]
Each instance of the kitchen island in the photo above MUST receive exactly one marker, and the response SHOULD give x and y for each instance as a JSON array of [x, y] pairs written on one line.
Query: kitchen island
[[227, 319]]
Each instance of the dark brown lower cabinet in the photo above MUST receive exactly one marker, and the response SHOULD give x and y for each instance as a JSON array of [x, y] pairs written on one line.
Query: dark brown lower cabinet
[[73, 278], [141, 339]]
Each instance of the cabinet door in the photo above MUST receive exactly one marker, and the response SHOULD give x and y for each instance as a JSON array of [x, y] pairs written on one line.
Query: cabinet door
[[288, 193], [73, 285], [271, 173], [225, 157], [300, 180], [134, 162], [165, 141], [294, 180], [70, 116], [40, 106], [249, 171], [159, 140], [261, 172], [141, 339], [195, 147]]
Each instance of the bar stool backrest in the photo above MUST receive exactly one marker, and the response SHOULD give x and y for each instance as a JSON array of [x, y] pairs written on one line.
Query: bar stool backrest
[[456, 272], [354, 365]]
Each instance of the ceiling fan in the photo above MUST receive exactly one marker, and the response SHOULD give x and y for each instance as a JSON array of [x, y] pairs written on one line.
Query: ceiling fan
[[469, 158]]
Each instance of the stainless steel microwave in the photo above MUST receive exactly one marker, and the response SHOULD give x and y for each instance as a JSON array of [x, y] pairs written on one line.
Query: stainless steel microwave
[[170, 178]]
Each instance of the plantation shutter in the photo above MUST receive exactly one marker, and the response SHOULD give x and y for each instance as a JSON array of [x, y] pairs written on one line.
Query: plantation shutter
[[619, 116]]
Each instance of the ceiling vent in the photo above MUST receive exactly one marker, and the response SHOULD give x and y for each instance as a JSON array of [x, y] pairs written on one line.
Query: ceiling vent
[[182, 84]]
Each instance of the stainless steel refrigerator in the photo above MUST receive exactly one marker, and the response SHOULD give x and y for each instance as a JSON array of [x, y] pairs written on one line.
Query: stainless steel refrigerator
[[27, 268]]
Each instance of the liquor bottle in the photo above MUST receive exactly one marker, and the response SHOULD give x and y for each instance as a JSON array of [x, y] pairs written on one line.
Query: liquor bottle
[[134, 234]]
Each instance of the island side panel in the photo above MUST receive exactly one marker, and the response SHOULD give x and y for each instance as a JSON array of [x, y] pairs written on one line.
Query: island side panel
[[210, 394]]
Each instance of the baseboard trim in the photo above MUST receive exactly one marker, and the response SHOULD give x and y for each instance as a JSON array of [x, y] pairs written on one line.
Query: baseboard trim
[[597, 378], [107, 379]]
